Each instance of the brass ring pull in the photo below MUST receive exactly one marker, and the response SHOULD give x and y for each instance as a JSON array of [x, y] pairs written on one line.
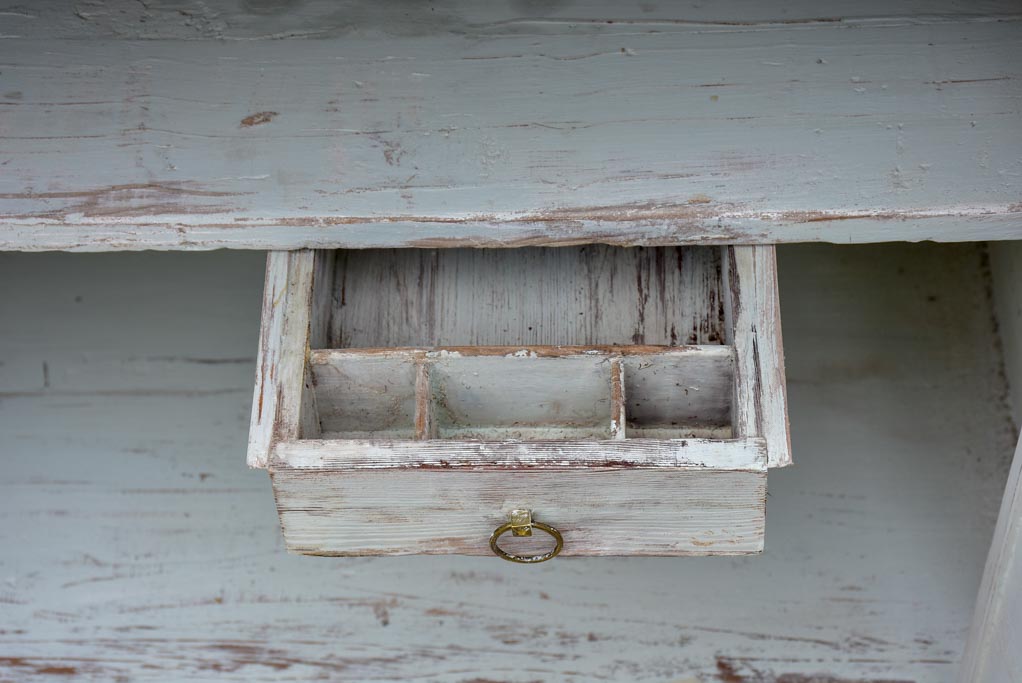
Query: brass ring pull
[[520, 523]]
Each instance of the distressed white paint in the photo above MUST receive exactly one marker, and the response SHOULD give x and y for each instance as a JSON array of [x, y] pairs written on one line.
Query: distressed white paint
[[492, 124], [600, 511], [752, 317], [992, 653], [697, 455], [138, 546], [283, 348]]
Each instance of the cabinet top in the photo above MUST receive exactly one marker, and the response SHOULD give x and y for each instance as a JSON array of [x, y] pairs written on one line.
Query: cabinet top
[[271, 126]]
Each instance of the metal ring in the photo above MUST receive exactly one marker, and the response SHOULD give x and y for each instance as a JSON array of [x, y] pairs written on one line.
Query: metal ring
[[526, 559]]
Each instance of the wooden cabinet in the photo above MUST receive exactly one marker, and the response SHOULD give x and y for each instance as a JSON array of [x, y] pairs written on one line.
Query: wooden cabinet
[[633, 398]]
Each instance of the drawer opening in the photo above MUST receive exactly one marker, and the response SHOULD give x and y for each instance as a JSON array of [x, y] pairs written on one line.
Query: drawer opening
[[571, 343]]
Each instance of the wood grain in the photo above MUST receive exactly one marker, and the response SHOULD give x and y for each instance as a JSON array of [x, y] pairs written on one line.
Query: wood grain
[[581, 296], [616, 510], [508, 125], [700, 455], [753, 321], [280, 383]]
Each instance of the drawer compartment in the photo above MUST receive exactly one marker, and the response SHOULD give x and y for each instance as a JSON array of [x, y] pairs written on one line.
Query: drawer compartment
[[407, 400]]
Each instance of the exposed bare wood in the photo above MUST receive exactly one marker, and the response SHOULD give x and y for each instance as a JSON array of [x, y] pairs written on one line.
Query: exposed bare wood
[[591, 295], [753, 320], [283, 347], [323, 291], [308, 415], [508, 124], [618, 406], [425, 421]]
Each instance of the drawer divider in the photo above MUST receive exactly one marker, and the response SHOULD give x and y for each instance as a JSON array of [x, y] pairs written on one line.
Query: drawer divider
[[425, 411], [618, 409]]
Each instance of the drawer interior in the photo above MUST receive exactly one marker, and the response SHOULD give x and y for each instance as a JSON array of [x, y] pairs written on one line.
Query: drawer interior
[[534, 393], [577, 343]]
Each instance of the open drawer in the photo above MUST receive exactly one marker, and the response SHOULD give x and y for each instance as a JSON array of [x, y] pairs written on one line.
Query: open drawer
[[407, 401]]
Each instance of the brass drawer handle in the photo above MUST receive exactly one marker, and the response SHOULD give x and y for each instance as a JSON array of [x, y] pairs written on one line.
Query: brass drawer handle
[[521, 523]]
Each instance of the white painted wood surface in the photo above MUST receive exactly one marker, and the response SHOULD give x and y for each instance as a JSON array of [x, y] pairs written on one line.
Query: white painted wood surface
[[599, 511], [348, 455], [640, 497], [270, 125], [138, 546], [283, 349], [992, 653], [752, 317]]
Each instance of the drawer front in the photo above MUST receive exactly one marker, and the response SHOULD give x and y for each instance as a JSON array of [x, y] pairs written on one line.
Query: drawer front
[[606, 498], [404, 406]]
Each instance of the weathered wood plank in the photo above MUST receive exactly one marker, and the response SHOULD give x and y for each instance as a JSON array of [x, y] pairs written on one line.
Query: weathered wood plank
[[502, 125], [591, 295], [618, 401], [753, 323], [747, 455], [710, 354], [280, 383], [225, 20], [607, 498]]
